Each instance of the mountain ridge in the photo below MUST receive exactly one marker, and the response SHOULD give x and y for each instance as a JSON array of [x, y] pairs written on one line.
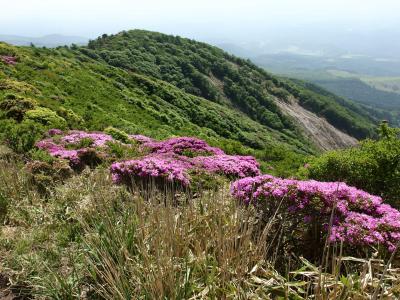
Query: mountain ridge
[[194, 66], [240, 104]]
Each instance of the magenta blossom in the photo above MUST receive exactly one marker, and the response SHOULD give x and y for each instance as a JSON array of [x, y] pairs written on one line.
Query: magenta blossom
[[359, 217]]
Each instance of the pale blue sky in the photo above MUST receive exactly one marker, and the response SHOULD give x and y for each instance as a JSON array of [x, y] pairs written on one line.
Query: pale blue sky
[[207, 19]]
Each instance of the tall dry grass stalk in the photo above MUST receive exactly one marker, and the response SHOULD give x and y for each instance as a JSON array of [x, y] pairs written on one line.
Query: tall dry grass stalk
[[159, 250]]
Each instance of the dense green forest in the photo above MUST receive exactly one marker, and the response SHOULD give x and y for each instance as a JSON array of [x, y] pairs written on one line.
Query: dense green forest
[[207, 71]]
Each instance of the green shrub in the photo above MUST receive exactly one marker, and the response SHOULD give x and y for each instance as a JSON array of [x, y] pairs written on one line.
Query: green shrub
[[41, 155], [74, 121], [373, 166], [121, 151], [118, 134], [44, 175], [46, 117], [16, 107], [21, 137]]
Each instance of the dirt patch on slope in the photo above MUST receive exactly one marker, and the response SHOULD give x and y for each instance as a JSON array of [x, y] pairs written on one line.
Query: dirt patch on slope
[[216, 82], [324, 135]]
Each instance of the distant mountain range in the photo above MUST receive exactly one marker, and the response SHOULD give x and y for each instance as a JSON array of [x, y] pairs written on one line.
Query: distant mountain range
[[372, 81], [52, 40]]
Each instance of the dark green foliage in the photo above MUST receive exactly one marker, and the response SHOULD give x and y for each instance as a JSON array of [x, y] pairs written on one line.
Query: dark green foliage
[[207, 71], [15, 107], [374, 166], [3, 208], [21, 137]]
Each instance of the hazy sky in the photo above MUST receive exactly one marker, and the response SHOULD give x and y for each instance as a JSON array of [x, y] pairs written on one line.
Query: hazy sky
[[206, 19]]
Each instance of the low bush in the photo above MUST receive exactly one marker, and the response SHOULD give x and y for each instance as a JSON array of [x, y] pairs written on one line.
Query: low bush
[[304, 213], [373, 166], [46, 117], [21, 137], [118, 134]]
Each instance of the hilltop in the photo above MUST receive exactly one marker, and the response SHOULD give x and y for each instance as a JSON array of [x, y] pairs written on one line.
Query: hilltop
[[209, 72]]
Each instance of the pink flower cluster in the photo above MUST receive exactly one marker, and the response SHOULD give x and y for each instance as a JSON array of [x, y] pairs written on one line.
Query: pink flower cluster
[[229, 165], [180, 145], [157, 167], [169, 160], [177, 168], [59, 147], [9, 60], [57, 150], [99, 139], [359, 218]]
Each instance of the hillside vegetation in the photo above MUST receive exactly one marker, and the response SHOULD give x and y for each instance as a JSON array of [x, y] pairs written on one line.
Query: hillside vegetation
[[184, 88], [120, 184], [373, 166], [207, 71]]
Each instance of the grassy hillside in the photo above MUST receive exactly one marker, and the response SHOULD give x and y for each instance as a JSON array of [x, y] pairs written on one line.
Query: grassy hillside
[[207, 71], [161, 86], [101, 95], [65, 88]]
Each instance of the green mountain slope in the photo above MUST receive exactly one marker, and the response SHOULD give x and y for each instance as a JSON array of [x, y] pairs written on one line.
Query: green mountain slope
[[209, 72], [384, 104], [363, 80], [159, 85], [100, 95]]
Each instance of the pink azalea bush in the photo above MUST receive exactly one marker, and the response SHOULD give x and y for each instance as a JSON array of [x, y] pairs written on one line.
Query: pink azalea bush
[[175, 159], [229, 165], [165, 167], [178, 168], [359, 218], [182, 146], [8, 59], [66, 146]]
